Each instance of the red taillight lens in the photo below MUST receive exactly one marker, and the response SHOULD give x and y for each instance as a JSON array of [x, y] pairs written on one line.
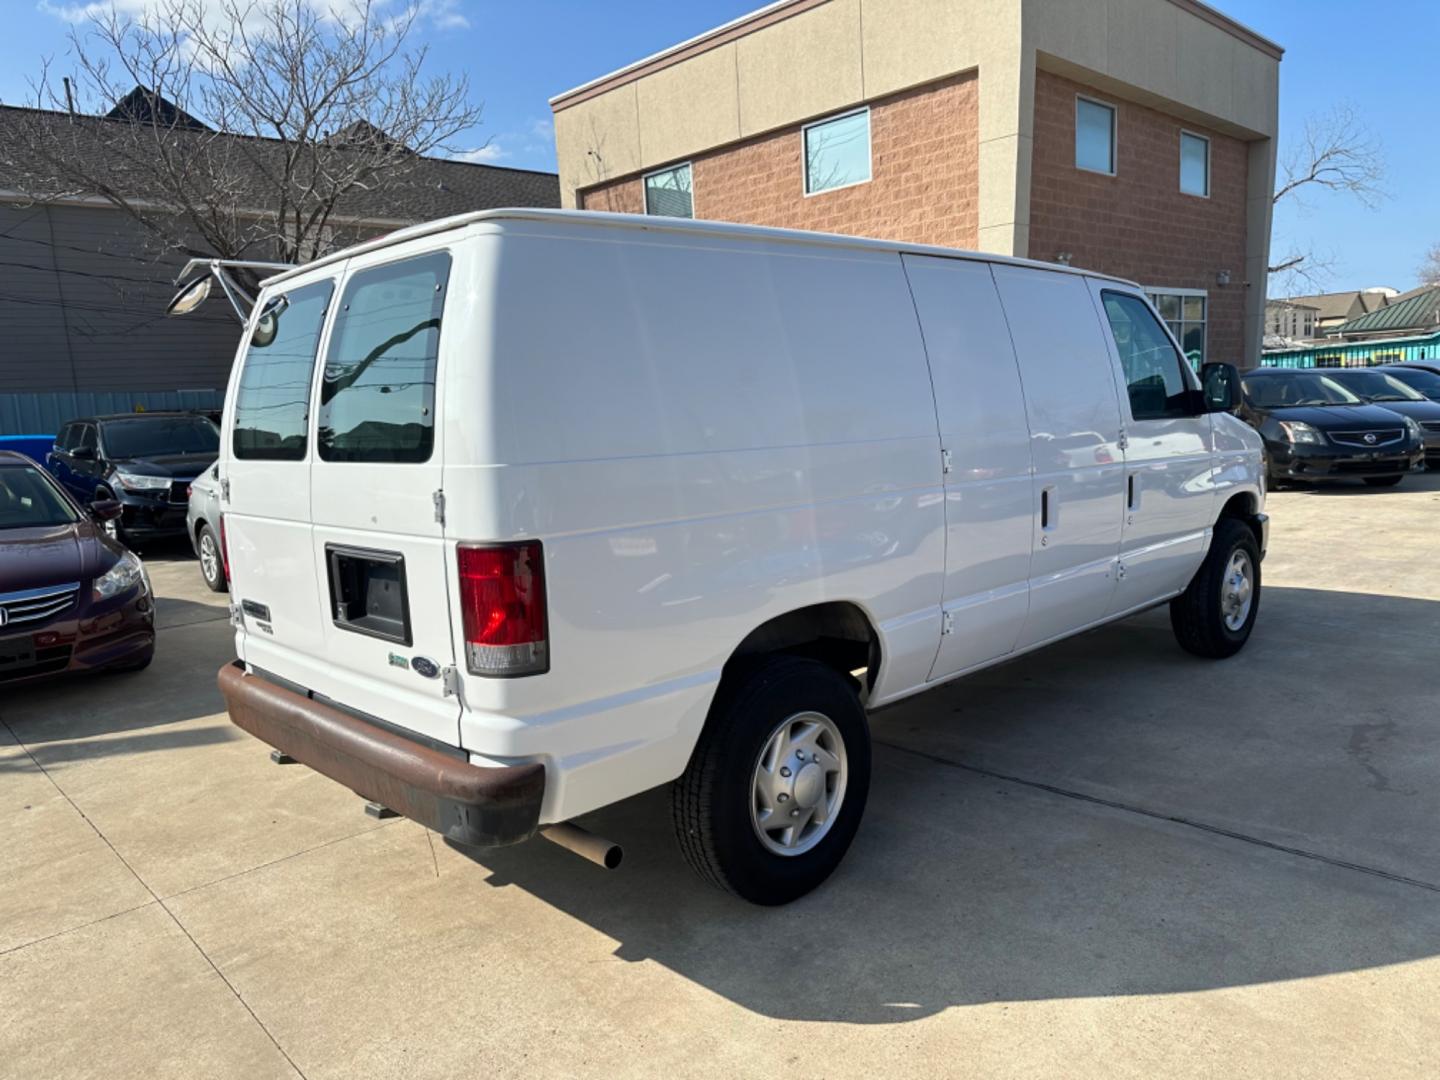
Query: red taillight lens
[[502, 601], [224, 550]]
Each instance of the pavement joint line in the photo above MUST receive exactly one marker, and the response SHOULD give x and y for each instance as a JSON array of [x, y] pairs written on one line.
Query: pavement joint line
[[1157, 815], [430, 839], [75, 929], [283, 858], [163, 906]]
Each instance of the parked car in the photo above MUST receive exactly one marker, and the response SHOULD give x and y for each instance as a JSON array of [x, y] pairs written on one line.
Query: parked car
[[1381, 388], [1426, 380], [71, 598], [202, 522], [145, 461], [575, 505], [1316, 429]]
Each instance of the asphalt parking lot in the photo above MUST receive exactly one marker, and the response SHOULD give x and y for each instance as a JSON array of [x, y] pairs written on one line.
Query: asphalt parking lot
[[1105, 859]]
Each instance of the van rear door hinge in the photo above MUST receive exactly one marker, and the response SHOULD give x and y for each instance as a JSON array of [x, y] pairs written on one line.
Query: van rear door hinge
[[438, 498], [947, 623], [225, 488], [1123, 442], [946, 463]]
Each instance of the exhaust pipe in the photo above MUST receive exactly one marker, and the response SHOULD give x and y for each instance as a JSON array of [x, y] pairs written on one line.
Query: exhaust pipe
[[585, 844]]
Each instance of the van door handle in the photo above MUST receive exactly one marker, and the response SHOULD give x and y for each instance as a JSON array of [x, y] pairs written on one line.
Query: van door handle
[[1130, 494], [1047, 508]]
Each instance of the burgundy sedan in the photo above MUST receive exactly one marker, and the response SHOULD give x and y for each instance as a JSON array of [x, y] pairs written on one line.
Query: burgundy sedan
[[71, 598]]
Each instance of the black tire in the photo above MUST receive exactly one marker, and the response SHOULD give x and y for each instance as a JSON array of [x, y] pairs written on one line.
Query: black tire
[[711, 802], [1384, 481], [214, 581], [1197, 616]]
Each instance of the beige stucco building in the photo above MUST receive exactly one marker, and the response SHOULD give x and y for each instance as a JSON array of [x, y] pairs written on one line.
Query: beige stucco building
[[972, 123]]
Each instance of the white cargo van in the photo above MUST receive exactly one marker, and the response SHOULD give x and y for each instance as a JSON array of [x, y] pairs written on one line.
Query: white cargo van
[[527, 512]]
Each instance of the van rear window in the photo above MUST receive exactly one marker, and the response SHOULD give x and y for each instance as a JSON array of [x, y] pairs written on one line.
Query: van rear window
[[272, 402], [377, 400]]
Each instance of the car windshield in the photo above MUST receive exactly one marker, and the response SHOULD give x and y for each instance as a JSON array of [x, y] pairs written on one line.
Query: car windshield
[[1427, 382], [1279, 389], [28, 500], [158, 436], [1376, 386]]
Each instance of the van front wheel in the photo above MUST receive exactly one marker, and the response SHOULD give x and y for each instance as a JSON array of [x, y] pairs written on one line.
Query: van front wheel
[[777, 785], [1214, 616]]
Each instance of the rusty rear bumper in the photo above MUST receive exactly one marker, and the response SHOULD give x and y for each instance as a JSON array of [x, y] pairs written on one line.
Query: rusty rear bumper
[[482, 807]]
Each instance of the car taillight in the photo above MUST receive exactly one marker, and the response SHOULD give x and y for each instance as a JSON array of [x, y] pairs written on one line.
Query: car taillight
[[502, 601], [224, 550]]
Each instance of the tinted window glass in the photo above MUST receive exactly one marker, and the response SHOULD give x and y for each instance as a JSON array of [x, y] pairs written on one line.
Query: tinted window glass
[[87, 436], [1094, 136], [377, 401], [1426, 382], [837, 152], [1152, 366], [28, 499], [272, 402], [66, 438], [158, 436], [667, 193], [1375, 386], [1275, 390], [1194, 164]]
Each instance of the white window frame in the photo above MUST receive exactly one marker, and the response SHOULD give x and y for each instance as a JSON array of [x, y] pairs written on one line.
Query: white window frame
[[1152, 291], [674, 166], [805, 158], [1114, 136], [1180, 158]]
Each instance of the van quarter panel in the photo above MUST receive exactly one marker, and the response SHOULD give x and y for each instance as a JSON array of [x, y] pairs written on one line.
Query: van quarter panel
[[703, 437], [988, 488], [1074, 417]]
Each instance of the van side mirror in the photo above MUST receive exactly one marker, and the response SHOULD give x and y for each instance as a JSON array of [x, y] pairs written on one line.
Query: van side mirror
[[1221, 383]]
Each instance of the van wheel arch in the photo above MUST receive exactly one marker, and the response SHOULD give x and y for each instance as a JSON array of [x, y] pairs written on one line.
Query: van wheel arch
[[838, 633], [1243, 506]]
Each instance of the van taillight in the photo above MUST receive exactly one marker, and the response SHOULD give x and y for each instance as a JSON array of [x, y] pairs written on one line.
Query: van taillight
[[224, 550], [502, 600]]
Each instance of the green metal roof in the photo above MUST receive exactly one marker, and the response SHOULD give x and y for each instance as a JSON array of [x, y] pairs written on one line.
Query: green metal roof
[[1419, 312]]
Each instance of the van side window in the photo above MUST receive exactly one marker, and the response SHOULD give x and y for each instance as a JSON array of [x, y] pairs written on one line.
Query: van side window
[[377, 401], [1151, 362], [272, 402]]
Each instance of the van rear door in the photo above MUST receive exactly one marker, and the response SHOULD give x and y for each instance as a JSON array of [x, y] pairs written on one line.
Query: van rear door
[[266, 448], [378, 545]]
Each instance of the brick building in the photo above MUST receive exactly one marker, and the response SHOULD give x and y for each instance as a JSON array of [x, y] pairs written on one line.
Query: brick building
[[1134, 137]]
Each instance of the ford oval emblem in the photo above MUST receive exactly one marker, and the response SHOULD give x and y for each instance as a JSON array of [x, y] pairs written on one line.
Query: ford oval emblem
[[423, 665]]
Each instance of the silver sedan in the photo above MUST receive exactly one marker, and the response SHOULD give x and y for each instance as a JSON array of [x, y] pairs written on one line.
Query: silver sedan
[[202, 521]]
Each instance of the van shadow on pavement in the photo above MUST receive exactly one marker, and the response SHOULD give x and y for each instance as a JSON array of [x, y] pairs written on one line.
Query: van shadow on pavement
[[965, 888]]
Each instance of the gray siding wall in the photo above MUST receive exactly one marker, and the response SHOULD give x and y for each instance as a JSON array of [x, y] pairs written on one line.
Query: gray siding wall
[[82, 308]]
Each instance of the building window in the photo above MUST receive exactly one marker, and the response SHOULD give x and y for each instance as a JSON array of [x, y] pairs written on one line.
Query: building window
[[1094, 136], [1184, 312], [1194, 164], [837, 152], [668, 193]]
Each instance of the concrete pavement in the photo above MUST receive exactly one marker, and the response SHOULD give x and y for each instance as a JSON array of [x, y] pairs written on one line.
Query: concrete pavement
[[1106, 859]]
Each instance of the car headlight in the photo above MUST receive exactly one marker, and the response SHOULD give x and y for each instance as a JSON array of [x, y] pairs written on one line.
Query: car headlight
[[126, 572], [1413, 428], [135, 482], [1297, 432]]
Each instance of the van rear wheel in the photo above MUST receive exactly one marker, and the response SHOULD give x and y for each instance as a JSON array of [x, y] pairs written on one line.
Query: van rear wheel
[[1213, 617], [777, 785]]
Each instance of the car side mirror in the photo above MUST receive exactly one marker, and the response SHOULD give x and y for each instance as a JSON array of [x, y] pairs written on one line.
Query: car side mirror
[[83, 453], [1221, 383], [104, 509]]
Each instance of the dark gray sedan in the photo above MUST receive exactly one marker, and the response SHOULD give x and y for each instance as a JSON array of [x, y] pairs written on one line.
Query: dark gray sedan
[[1376, 387]]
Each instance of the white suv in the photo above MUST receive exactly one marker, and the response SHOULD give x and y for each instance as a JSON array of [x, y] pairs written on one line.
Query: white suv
[[527, 512]]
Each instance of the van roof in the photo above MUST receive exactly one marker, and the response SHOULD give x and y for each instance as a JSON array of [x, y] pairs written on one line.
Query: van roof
[[646, 223]]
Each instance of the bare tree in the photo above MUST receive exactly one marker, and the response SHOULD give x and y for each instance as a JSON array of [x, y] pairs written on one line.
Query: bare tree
[[1430, 268], [334, 111], [1334, 153]]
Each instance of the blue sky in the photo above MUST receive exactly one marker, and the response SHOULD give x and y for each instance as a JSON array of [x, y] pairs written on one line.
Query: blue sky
[[1378, 61]]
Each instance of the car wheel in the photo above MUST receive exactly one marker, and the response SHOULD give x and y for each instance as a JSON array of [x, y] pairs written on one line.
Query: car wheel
[[775, 790], [212, 569], [1384, 481], [1213, 617]]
